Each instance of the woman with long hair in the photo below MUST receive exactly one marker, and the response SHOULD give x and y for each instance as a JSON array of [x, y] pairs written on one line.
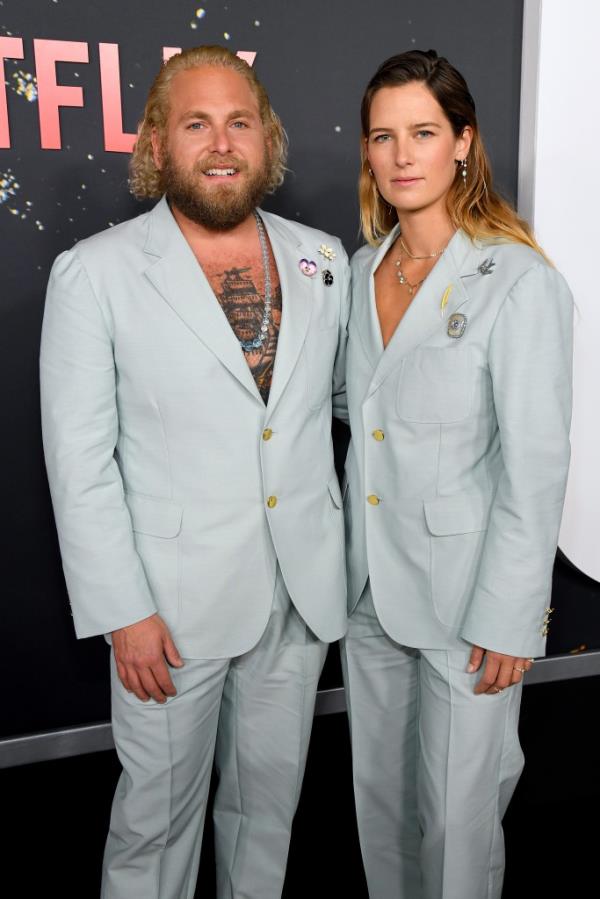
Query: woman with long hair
[[459, 394]]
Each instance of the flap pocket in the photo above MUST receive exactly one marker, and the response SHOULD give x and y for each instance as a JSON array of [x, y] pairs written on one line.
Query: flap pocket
[[333, 486], [462, 513], [156, 517]]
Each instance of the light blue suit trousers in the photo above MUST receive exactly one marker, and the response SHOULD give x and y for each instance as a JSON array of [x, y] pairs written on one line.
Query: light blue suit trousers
[[253, 715]]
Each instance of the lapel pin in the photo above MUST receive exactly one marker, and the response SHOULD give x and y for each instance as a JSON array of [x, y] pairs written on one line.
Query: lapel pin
[[327, 277], [486, 267], [308, 267], [457, 324], [444, 301], [327, 252]]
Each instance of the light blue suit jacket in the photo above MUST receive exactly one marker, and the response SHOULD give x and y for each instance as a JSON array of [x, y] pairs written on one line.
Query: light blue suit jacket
[[471, 472], [153, 429]]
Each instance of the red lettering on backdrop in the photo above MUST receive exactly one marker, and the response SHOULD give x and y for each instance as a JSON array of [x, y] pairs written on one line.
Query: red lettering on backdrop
[[10, 48], [51, 95], [115, 139]]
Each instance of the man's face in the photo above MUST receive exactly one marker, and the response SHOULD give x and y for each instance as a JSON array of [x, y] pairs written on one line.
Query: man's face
[[214, 159]]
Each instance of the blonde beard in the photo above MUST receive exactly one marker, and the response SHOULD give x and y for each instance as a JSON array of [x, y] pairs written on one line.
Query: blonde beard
[[219, 208]]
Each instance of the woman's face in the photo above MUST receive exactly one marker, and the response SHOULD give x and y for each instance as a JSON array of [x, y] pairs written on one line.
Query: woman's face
[[412, 148]]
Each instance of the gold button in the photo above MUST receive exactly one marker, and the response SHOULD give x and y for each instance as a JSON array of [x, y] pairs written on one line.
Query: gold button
[[378, 435], [272, 502], [267, 434], [373, 500]]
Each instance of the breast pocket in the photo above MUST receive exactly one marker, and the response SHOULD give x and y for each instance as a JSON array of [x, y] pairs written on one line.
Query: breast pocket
[[319, 355], [435, 385]]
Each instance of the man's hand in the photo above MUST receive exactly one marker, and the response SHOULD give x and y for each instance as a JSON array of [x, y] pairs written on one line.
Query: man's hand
[[501, 671], [142, 651]]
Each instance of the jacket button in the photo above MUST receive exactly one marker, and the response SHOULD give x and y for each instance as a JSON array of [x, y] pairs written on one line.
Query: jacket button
[[267, 434], [378, 435], [373, 500], [272, 502]]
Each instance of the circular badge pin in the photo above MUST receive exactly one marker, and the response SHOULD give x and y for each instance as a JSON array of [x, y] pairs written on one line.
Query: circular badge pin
[[457, 324]]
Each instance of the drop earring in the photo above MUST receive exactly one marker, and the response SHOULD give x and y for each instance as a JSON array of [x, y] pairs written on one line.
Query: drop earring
[[463, 170]]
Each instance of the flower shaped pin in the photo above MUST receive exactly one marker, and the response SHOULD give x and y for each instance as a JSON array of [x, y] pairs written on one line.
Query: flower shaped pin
[[327, 252], [308, 267]]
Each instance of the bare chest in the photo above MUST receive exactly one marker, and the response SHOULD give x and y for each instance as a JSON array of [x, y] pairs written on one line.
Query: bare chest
[[252, 307], [391, 300]]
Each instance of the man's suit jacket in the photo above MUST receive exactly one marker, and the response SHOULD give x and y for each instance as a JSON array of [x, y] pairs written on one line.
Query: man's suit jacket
[[161, 454], [460, 447]]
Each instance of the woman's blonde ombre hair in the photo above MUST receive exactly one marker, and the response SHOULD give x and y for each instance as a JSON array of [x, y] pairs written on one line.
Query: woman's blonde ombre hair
[[145, 179], [473, 206]]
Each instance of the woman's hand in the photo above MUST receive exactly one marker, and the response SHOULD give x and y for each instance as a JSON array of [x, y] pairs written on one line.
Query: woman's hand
[[500, 671]]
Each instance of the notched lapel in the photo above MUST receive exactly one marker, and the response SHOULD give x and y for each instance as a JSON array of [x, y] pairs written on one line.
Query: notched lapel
[[177, 276], [297, 297], [369, 329], [425, 314]]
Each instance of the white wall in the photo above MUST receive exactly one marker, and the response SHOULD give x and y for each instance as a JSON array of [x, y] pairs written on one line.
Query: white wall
[[559, 191]]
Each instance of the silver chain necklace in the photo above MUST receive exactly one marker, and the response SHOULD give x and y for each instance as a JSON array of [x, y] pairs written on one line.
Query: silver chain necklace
[[250, 346]]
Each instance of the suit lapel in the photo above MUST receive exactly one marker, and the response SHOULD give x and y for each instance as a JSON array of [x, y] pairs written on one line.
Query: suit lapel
[[424, 315], [177, 276], [297, 293], [368, 329]]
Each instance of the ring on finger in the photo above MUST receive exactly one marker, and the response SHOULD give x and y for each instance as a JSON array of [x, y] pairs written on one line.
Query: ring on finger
[[499, 690], [517, 668]]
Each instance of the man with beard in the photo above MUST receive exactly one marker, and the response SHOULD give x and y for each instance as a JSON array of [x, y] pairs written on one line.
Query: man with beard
[[189, 359]]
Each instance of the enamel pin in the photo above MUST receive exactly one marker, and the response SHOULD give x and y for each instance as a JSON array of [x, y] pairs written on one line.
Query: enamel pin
[[457, 324], [308, 267], [327, 252], [327, 277], [444, 300]]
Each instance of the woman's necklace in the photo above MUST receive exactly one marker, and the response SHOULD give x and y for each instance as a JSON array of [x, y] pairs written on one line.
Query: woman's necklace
[[402, 279], [250, 346], [427, 256]]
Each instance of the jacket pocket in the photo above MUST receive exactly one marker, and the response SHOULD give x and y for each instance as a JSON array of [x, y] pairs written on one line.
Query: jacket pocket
[[435, 385], [461, 513], [155, 523], [457, 527], [152, 516]]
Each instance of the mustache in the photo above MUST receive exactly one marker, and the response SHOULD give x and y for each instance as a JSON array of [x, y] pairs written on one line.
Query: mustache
[[220, 162]]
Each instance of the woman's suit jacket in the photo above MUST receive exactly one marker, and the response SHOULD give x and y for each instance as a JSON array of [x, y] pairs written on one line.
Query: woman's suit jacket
[[456, 474]]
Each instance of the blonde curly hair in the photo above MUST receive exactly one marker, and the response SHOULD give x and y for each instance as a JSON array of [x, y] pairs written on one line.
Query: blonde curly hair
[[145, 179]]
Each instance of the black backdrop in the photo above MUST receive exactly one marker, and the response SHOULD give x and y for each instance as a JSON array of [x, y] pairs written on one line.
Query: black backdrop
[[315, 58]]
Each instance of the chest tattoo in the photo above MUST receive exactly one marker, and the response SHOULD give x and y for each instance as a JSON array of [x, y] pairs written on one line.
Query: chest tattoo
[[240, 290]]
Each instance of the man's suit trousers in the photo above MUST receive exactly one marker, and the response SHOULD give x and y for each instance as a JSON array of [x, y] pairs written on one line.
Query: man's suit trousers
[[434, 765], [253, 715]]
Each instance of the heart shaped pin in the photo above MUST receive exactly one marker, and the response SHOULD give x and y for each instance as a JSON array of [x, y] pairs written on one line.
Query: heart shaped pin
[[308, 267]]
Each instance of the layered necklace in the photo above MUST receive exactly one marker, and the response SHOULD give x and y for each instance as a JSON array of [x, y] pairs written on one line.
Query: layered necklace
[[402, 279], [250, 346]]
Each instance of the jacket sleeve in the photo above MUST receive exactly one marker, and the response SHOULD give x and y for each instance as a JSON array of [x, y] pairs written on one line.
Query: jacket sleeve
[[340, 402], [104, 574], [530, 363]]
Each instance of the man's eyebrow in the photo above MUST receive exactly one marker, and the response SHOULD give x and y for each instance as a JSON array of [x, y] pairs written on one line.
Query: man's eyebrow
[[234, 114]]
